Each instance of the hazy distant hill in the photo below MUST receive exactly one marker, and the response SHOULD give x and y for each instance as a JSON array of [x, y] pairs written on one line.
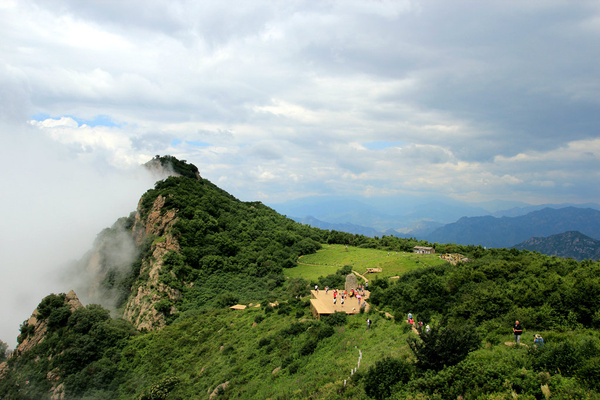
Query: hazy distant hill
[[407, 215], [526, 209], [347, 227], [571, 244], [507, 231]]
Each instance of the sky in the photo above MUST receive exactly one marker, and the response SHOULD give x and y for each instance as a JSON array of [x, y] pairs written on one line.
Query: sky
[[279, 100]]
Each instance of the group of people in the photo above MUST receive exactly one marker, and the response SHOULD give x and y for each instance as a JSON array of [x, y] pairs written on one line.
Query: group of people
[[343, 295], [538, 340], [418, 324]]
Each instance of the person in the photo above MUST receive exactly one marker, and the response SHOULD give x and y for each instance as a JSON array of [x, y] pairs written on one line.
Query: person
[[368, 323], [518, 331], [326, 289], [317, 288], [538, 341], [427, 329], [409, 316]]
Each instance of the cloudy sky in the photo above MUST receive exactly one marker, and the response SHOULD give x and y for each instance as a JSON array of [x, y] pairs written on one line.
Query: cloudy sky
[[277, 100]]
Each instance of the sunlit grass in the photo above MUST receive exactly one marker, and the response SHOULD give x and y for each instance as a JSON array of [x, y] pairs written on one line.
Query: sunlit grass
[[332, 257]]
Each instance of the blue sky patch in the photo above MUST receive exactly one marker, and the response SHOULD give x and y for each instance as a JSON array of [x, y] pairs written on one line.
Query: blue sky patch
[[99, 120], [197, 143]]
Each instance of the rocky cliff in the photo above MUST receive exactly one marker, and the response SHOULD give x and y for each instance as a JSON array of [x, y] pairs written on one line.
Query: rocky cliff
[[37, 326], [141, 307]]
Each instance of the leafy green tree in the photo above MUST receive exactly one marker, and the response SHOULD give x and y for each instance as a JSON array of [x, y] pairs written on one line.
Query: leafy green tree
[[381, 378], [3, 350], [443, 346]]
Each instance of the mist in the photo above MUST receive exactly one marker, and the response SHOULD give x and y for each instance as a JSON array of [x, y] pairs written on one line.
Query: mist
[[55, 200]]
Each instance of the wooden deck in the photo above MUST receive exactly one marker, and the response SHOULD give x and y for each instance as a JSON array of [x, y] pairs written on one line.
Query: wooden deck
[[321, 303]]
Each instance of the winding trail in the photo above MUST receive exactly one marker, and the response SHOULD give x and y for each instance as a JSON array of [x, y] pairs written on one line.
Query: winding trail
[[362, 276]]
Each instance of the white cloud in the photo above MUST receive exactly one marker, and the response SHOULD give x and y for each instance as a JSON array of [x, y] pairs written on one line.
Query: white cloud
[[494, 101]]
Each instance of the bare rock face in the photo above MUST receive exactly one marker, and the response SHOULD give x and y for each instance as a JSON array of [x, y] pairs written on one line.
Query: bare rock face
[[218, 389], [3, 369], [73, 301], [351, 282], [140, 308], [157, 222]]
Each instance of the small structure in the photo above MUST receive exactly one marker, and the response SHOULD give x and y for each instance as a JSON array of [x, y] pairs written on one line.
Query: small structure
[[374, 270], [454, 258], [238, 307], [424, 250], [351, 282]]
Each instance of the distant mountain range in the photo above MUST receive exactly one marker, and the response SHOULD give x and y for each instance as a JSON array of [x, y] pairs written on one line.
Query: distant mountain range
[[571, 244], [442, 220], [406, 215], [342, 227], [490, 231]]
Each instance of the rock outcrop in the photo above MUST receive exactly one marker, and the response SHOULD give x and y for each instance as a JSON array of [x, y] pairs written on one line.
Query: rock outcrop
[[351, 282], [140, 308], [40, 325]]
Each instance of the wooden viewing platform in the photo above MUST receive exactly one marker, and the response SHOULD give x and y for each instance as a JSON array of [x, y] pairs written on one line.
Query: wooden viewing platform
[[321, 303]]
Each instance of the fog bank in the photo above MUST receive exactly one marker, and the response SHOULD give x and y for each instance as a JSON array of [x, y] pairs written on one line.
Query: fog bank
[[54, 202]]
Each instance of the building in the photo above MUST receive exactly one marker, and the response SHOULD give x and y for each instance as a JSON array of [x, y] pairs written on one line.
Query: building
[[424, 250]]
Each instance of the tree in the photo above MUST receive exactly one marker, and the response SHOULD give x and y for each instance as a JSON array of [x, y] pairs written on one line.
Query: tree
[[443, 346], [384, 375], [3, 351]]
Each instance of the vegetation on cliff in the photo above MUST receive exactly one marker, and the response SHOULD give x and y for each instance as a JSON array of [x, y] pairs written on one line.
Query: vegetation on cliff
[[200, 250]]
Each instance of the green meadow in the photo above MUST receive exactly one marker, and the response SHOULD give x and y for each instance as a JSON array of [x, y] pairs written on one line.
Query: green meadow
[[334, 256]]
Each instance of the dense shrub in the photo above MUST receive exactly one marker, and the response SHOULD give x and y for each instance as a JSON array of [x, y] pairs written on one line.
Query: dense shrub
[[160, 390], [381, 378], [308, 347], [443, 346], [337, 318]]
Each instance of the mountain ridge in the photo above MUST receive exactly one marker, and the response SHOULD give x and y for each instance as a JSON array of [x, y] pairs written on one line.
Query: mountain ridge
[[571, 244]]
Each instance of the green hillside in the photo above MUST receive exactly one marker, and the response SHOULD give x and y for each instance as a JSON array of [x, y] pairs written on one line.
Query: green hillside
[[199, 250], [333, 257]]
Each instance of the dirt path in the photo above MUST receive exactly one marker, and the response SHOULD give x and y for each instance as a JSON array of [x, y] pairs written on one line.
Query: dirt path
[[362, 276]]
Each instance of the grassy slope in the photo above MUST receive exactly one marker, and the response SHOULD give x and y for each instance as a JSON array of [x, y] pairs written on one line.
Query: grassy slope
[[191, 350], [332, 257]]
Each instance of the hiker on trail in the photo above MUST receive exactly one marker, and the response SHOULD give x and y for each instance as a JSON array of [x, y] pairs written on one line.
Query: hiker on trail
[[518, 331], [358, 298], [409, 316], [326, 289], [538, 341], [367, 285], [342, 301], [334, 300], [368, 323], [411, 321], [427, 329], [317, 288]]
